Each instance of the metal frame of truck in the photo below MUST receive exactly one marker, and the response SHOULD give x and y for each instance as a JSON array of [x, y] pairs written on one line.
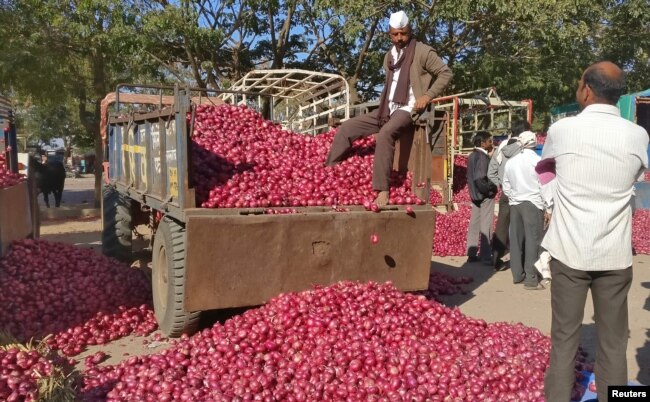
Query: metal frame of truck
[[461, 116], [205, 259], [304, 101]]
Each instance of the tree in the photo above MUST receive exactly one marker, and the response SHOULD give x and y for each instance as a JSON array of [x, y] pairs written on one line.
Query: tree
[[46, 121], [625, 39], [55, 51]]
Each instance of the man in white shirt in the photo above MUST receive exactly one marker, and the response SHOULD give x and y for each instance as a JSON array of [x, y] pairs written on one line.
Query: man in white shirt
[[507, 149], [521, 186], [598, 156], [415, 75]]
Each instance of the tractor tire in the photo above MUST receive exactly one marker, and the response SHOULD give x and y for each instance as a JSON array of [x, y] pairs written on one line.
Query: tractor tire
[[168, 281], [117, 233]]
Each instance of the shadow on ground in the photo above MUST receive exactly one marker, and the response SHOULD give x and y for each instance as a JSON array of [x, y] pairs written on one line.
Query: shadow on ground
[[480, 272]]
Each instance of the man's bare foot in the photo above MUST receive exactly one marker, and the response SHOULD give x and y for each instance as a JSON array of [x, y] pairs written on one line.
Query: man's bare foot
[[382, 198]]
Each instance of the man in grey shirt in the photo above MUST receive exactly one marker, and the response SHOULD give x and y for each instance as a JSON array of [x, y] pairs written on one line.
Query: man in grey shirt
[[505, 151]]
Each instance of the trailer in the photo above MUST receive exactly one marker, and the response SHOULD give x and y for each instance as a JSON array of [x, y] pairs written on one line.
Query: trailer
[[19, 216], [205, 259]]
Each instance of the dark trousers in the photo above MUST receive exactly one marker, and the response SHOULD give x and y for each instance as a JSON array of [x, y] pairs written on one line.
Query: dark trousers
[[400, 123], [500, 239], [479, 233], [526, 232], [609, 291]]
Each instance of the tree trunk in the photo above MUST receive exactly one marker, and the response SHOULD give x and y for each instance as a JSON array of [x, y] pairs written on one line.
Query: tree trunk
[[99, 86]]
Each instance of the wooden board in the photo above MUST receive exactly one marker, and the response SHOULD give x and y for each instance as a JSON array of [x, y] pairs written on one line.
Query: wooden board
[[15, 216]]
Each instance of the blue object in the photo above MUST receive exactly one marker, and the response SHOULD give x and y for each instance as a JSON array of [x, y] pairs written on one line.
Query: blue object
[[538, 149], [588, 378]]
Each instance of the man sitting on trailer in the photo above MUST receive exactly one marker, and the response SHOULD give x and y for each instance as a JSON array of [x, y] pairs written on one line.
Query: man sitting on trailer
[[406, 94]]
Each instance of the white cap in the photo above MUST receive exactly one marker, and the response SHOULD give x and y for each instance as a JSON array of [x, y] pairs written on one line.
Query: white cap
[[398, 20], [527, 138]]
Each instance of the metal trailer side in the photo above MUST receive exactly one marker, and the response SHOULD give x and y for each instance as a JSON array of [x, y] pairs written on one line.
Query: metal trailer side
[[217, 258]]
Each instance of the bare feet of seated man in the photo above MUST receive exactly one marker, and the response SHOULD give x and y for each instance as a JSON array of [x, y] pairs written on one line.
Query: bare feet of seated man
[[382, 198]]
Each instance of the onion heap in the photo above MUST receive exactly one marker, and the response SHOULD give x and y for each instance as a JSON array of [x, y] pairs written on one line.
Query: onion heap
[[348, 341], [450, 236], [241, 160], [641, 231], [435, 197], [19, 374], [7, 177], [460, 189], [541, 138], [78, 296], [30, 373]]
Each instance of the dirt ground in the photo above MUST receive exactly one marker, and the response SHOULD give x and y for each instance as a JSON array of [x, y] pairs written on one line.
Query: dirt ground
[[491, 296]]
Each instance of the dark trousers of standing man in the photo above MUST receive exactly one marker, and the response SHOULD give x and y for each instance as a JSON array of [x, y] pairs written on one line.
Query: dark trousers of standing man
[[526, 232], [500, 239], [609, 291], [400, 123]]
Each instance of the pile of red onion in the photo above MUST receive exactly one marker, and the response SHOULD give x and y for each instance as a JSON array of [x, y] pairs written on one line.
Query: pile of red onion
[[241, 160], [19, 372], [348, 341], [641, 231], [7, 177], [459, 186], [450, 236], [541, 138], [77, 295]]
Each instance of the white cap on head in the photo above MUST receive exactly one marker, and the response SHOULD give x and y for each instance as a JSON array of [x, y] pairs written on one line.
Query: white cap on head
[[527, 139], [398, 20]]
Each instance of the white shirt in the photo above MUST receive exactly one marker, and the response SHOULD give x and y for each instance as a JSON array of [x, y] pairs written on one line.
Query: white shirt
[[520, 182], [498, 153], [598, 157], [392, 106]]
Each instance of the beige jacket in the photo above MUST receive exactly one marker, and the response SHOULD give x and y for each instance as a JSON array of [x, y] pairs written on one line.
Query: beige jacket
[[426, 65]]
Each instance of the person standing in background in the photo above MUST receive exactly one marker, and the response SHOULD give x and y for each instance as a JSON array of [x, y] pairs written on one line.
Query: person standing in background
[[504, 152], [414, 76], [524, 192], [598, 156], [482, 192]]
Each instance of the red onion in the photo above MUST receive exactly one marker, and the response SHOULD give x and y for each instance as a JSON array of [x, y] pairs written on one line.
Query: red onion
[[240, 160], [641, 231], [348, 341], [77, 295], [7, 177], [450, 236], [459, 187], [19, 373], [31, 373]]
